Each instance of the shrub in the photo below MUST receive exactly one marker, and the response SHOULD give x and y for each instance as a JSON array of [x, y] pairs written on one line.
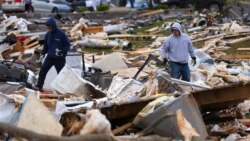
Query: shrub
[[81, 9], [103, 7]]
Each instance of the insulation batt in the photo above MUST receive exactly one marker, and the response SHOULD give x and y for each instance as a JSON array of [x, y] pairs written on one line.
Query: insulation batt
[[96, 123]]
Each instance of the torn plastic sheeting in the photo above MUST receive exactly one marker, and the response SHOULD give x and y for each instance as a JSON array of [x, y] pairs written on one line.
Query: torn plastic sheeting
[[68, 82], [22, 24], [97, 43], [114, 28], [110, 62], [61, 108], [124, 87], [190, 110]]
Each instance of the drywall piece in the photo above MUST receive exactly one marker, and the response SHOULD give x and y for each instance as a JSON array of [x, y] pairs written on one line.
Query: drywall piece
[[37, 118], [110, 62]]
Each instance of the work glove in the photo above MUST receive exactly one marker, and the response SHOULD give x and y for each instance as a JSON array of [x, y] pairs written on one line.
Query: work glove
[[59, 52], [194, 60], [40, 60], [164, 63]]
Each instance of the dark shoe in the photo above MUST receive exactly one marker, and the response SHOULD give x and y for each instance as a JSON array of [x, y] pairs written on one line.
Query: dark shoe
[[36, 88]]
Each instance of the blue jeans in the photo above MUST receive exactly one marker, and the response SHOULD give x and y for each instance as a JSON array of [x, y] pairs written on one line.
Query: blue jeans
[[179, 70]]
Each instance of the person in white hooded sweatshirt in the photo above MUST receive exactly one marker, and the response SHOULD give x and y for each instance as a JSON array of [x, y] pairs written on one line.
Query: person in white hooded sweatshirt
[[176, 50]]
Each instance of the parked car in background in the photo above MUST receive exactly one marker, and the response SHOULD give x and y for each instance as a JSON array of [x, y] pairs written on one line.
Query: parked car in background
[[86, 3], [13, 5], [213, 5], [53, 6], [76, 4]]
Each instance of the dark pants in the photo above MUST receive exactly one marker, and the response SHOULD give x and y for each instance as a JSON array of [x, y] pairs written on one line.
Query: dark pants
[[28, 7], [179, 70], [132, 3], [48, 63]]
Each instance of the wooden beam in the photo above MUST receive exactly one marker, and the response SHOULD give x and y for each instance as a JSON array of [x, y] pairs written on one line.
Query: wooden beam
[[122, 128], [222, 97], [238, 40], [243, 49], [33, 136], [208, 38], [153, 12]]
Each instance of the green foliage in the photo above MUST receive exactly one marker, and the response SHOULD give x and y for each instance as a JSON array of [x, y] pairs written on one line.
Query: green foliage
[[81, 9], [103, 7], [160, 6]]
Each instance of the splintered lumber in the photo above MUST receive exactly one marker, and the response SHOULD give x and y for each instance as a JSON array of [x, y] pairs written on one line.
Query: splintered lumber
[[208, 38], [185, 127], [34, 136], [31, 45], [132, 37], [211, 44], [30, 39], [243, 49], [122, 128], [150, 13], [238, 40], [152, 30], [49, 103], [93, 29], [53, 96], [41, 121]]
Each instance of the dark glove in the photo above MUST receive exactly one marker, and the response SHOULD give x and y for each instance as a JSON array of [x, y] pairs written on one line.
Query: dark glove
[[164, 63], [59, 52], [41, 58], [194, 60]]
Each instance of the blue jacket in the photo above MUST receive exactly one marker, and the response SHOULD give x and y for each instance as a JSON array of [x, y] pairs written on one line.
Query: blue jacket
[[177, 49], [55, 40]]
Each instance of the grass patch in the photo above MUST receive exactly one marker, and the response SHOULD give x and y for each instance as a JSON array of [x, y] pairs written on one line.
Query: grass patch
[[142, 30], [81, 9], [103, 7]]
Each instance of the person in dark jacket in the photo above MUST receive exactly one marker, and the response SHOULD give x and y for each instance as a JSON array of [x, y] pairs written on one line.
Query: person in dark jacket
[[56, 46]]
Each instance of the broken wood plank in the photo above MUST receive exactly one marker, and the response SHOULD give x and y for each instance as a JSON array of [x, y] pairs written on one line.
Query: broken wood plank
[[122, 128], [93, 29], [49, 103], [243, 49], [30, 39], [208, 38], [31, 45], [53, 96], [150, 13], [222, 97], [34, 136], [238, 40]]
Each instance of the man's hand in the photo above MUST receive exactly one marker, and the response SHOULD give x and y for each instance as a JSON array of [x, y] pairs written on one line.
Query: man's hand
[[59, 52], [164, 63], [194, 60], [40, 60]]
